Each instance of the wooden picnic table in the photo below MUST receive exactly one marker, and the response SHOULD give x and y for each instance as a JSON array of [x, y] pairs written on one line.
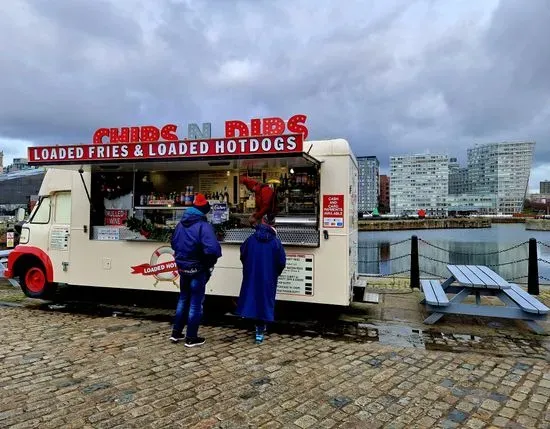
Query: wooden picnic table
[[480, 281]]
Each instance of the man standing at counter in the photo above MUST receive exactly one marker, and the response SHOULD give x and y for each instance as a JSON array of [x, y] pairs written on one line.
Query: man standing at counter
[[265, 200], [196, 250]]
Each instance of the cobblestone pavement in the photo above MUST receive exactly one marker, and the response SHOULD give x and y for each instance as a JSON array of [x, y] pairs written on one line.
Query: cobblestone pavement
[[82, 371]]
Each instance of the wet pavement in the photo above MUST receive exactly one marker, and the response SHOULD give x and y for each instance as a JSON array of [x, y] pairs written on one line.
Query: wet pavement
[[104, 361]]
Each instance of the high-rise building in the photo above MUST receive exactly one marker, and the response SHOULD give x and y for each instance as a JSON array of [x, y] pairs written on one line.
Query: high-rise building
[[1, 162], [384, 199], [369, 169], [458, 178], [501, 170], [544, 186], [419, 182]]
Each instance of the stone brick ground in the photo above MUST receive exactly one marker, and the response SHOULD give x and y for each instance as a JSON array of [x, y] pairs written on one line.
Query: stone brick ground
[[83, 371]]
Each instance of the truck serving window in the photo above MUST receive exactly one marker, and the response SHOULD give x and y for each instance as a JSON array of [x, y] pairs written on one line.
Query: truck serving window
[[42, 212], [146, 201]]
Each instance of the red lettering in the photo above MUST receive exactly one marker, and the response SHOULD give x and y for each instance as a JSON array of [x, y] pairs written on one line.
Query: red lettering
[[296, 125], [99, 134], [168, 132], [232, 126], [256, 127], [273, 126], [134, 135], [150, 134], [120, 135]]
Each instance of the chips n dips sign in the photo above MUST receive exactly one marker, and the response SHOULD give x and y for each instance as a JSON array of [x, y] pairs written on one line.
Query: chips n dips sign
[[258, 127], [262, 136]]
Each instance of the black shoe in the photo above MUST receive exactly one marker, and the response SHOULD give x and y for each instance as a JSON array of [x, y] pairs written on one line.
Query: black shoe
[[193, 342], [176, 338]]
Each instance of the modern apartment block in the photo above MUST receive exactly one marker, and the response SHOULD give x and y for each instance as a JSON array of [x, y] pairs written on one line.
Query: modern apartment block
[[384, 198], [459, 182], [419, 182], [501, 170], [544, 186], [369, 170]]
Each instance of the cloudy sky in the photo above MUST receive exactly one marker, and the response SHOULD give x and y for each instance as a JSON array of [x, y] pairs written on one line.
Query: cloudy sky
[[391, 76]]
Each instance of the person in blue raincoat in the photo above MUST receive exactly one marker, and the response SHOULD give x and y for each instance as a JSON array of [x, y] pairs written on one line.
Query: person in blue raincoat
[[264, 259], [196, 251]]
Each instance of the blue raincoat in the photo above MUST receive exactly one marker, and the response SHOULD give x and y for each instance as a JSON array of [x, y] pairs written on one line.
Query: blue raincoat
[[196, 248], [264, 259]]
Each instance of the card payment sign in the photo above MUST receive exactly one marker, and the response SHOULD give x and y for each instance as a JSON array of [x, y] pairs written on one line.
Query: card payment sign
[[333, 211]]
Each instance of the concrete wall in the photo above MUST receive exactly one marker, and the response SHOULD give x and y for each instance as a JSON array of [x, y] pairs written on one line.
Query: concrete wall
[[389, 225], [537, 224]]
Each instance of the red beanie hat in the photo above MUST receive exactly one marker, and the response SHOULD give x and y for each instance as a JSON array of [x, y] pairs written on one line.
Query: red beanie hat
[[201, 203]]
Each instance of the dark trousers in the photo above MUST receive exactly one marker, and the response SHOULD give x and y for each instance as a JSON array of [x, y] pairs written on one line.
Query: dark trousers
[[189, 309]]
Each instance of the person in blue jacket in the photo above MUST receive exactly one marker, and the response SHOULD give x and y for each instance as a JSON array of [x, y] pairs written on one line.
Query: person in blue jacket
[[264, 259], [196, 251]]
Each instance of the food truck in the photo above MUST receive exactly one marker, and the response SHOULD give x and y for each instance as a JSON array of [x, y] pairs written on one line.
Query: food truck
[[106, 210]]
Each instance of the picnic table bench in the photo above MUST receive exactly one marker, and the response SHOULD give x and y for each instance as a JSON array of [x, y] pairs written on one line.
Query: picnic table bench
[[480, 281]]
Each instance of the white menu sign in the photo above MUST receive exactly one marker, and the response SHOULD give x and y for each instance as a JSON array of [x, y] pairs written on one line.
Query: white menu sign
[[297, 278], [59, 237], [108, 234]]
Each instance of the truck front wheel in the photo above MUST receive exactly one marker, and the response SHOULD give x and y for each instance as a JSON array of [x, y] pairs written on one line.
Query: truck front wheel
[[34, 283]]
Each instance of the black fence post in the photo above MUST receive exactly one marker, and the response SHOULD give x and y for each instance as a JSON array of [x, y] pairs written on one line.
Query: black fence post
[[415, 269], [533, 273]]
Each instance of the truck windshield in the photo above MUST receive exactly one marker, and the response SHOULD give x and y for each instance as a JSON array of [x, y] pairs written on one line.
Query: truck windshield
[[41, 212]]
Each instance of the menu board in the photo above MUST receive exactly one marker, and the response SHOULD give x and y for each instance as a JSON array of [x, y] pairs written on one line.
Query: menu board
[[59, 237], [297, 278], [212, 182]]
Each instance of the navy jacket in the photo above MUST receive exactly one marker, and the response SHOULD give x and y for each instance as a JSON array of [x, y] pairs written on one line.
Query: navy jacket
[[264, 259], [196, 248]]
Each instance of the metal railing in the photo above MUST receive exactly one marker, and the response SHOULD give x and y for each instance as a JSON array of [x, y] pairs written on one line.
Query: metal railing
[[417, 260]]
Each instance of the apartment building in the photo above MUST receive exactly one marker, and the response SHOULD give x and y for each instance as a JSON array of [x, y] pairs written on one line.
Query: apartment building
[[419, 182]]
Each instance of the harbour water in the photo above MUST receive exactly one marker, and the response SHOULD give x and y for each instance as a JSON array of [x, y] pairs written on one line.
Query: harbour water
[[498, 247]]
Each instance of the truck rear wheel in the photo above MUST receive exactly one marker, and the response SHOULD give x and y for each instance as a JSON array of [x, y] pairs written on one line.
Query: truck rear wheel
[[34, 283]]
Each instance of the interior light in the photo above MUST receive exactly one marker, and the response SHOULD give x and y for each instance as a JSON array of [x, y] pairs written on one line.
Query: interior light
[[292, 171], [228, 173]]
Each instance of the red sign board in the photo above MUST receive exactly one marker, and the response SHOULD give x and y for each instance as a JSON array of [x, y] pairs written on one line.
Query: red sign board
[[333, 211], [273, 126], [115, 217], [163, 150]]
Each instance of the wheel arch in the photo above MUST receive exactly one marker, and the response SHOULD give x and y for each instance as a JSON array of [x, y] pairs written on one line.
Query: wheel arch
[[24, 256]]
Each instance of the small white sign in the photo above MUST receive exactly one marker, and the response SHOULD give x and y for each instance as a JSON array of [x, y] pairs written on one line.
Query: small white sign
[[108, 234], [297, 278], [10, 239], [59, 238]]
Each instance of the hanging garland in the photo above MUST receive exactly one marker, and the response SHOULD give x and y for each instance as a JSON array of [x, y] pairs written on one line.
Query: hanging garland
[[164, 234], [148, 229]]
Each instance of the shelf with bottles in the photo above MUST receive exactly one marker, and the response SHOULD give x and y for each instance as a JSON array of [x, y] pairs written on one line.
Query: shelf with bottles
[[169, 207]]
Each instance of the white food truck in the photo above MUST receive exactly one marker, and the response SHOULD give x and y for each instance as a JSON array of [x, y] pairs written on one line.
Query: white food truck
[[106, 210]]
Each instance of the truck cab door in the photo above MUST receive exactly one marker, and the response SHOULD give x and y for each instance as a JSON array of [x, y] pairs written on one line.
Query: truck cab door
[[59, 237]]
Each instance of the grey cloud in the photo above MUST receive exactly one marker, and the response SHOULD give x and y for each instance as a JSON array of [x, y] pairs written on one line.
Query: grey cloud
[[388, 76]]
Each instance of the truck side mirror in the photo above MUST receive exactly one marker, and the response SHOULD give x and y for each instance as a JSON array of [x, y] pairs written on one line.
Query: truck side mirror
[[325, 234]]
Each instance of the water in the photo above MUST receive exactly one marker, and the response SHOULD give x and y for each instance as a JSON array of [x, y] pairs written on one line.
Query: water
[[485, 246]]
